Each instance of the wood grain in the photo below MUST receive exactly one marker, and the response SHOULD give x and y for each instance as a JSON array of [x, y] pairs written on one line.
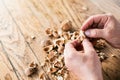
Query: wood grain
[[111, 6], [22, 19]]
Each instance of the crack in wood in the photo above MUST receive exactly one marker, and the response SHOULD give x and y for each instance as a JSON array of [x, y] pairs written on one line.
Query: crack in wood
[[6, 54], [47, 77]]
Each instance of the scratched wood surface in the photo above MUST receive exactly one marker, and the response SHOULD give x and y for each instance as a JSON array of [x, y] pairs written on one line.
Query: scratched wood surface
[[22, 19]]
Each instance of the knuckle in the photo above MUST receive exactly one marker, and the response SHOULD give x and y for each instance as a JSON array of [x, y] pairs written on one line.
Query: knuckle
[[91, 17]]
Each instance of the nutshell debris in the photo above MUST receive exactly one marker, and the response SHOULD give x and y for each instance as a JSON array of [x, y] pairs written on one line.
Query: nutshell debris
[[32, 68], [54, 47], [66, 25]]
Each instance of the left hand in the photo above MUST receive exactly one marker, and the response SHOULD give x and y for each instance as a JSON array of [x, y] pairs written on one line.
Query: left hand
[[85, 64]]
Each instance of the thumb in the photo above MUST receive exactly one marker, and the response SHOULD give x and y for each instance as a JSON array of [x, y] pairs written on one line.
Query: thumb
[[95, 33], [70, 49]]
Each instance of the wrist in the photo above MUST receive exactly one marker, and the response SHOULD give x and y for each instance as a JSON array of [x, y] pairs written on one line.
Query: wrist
[[89, 76]]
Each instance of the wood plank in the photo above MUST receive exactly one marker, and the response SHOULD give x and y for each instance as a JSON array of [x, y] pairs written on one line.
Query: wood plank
[[15, 48], [108, 6], [27, 18], [6, 70], [34, 45]]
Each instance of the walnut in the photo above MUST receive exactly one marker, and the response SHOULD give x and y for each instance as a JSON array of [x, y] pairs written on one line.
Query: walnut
[[112, 55], [66, 35], [60, 49], [98, 51], [102, 56], [54, 47], [52, 70], [51, 54], [29, 71], [59, 42], [82, 35], [49, 32], [53, 59], [55, 34], [62, 71], [100, 44], [33, 37], [61, 58], [33, 65], [66, 25], [48, 48], [32, 68], [58, 64], [46, 42], [75, 35], [42, 76]]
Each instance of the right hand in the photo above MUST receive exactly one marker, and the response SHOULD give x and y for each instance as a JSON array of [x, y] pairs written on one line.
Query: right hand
[[103, 26]]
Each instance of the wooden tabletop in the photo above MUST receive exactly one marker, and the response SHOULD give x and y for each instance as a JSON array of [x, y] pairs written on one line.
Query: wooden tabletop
[[20, 20]]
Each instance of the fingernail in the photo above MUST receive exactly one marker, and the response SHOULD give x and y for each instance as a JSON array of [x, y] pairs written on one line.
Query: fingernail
[[87, 33]]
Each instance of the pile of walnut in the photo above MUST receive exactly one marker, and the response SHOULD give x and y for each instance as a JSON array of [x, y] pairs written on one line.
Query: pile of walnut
[[54, 66], [57, 38]]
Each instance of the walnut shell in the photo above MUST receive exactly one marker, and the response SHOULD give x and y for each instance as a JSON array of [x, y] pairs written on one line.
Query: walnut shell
[[52, 70], [60, 49], [55, 34], [66, 35], [66, 25], [48, 48], [58, 64], [59, 42], [82, 35], [46, 42], [42, 76], [49, 32], [29, 71], [33, 65]]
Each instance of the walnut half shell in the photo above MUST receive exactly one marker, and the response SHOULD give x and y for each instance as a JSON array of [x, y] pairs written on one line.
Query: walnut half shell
[[32, 68], [66, 25]]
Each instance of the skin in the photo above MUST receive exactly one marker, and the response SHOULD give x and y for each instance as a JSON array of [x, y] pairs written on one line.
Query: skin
[[85, 64], [103, 26]]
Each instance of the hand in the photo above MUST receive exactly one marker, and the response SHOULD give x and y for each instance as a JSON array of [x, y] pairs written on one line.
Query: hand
[[103, 26], [84, 64]]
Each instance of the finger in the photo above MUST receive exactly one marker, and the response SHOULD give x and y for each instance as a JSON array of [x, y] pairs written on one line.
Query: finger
[[96, 19], [88, 47], [69, 48], [95, 33], [74, 43]]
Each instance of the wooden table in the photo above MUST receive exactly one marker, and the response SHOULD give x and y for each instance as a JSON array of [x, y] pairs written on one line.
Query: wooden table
[[20, 20]]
